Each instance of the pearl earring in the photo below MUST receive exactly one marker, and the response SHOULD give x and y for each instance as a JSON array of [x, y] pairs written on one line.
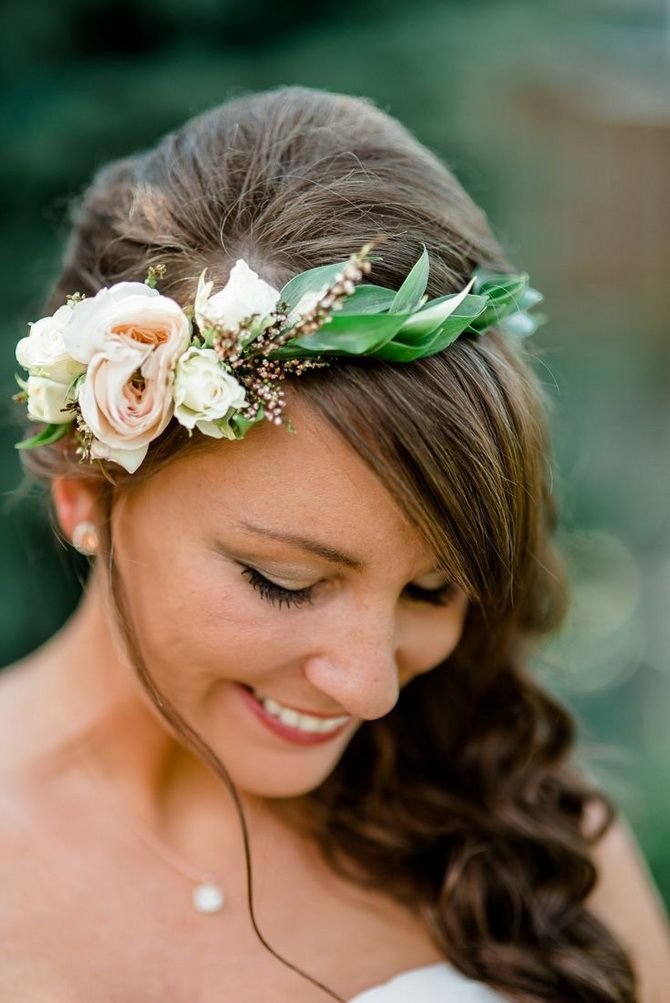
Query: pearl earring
[[85, 537]]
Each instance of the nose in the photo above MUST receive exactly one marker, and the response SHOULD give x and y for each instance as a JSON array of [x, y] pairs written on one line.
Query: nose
[[356, 665]]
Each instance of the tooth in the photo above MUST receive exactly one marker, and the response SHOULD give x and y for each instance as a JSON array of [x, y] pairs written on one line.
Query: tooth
[[291, 717], [295, 719], [339, 721], [309, 724]]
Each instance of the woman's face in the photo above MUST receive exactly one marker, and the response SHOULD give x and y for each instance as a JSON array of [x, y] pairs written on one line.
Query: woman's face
[[279, 564]]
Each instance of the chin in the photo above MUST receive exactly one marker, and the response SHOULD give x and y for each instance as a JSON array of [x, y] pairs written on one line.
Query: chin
[[283, 782], [264, 758]]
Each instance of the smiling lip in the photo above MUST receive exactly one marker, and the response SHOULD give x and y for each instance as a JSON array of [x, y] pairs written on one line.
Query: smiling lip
[[285, 731], [303, 710]]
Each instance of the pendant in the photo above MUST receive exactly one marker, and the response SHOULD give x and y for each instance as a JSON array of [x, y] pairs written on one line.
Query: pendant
[[207, 897]]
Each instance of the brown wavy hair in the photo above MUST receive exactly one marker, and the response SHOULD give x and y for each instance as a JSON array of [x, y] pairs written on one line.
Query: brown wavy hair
[[462, 802]]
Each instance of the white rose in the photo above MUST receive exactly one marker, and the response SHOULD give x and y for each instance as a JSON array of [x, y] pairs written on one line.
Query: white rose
[[131, 338], [204, 392], [244, 294], [43, 351], [46, 398]]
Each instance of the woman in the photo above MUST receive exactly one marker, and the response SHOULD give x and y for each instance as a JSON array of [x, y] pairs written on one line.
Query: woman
[[334, 623]]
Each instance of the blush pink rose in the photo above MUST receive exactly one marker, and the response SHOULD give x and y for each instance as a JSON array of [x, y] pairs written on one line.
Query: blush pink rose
[[130, 337]]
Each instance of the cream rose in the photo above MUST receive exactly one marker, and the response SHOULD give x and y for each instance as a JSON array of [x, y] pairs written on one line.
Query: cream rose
[[129, 459], [131, 337], [244, 294], [129, 311], [46, 400], [204, 392], [43, 351]]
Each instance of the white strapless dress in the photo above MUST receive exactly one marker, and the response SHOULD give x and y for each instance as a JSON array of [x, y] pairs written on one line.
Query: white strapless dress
[[437, 983]]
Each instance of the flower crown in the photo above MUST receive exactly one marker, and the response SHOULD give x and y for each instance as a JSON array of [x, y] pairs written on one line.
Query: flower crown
[[116, 367]]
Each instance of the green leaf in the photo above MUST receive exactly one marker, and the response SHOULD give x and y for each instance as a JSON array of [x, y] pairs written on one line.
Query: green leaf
[[367, 299], [312, 280], [241, 426], [402, 350], [522, 324], [52, 433], [207, 335], [389, 325], [410, 294], [397, 351], [529, 297], [486, 280], [72, 391], [499, 285], [436, 311], [448, 333], [505, 294], [348, 335]]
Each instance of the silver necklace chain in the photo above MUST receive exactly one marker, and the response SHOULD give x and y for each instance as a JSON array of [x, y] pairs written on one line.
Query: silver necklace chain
[[207, 895]]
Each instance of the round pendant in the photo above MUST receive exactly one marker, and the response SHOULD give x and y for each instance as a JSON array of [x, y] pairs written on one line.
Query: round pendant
[[207, 897]]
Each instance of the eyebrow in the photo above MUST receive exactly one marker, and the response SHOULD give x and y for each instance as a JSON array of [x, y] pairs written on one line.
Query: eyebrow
[[313, 546]]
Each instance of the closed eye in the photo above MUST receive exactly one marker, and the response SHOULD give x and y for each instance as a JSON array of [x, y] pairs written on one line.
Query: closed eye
[[277, 594]]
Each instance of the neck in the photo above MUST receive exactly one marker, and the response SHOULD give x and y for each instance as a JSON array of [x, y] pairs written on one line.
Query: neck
[[95, 714]]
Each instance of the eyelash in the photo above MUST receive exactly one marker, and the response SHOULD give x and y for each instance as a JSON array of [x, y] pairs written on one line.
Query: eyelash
[[277, 595]]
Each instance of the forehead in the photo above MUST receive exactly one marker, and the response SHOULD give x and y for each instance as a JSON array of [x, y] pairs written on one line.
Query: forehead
[[310, 481]]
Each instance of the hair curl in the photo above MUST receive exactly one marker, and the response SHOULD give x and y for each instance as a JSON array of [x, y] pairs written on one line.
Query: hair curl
[[462, 801]]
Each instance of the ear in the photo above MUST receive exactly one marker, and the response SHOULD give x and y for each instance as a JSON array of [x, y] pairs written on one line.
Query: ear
[[75, 500]]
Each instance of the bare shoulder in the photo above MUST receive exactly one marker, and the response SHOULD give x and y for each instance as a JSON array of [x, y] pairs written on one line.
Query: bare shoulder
[[17, 723], [27, 690], [18, 736], [25, 747], [627, 900]]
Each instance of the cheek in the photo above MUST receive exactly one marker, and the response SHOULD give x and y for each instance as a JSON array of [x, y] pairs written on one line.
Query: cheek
[[204, 623], [430, 637]]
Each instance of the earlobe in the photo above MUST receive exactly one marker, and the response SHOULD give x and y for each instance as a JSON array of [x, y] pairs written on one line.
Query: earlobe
[[75, 502]]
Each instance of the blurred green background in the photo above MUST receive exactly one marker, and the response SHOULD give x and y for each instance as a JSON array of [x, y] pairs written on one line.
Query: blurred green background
[[555, 117]]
